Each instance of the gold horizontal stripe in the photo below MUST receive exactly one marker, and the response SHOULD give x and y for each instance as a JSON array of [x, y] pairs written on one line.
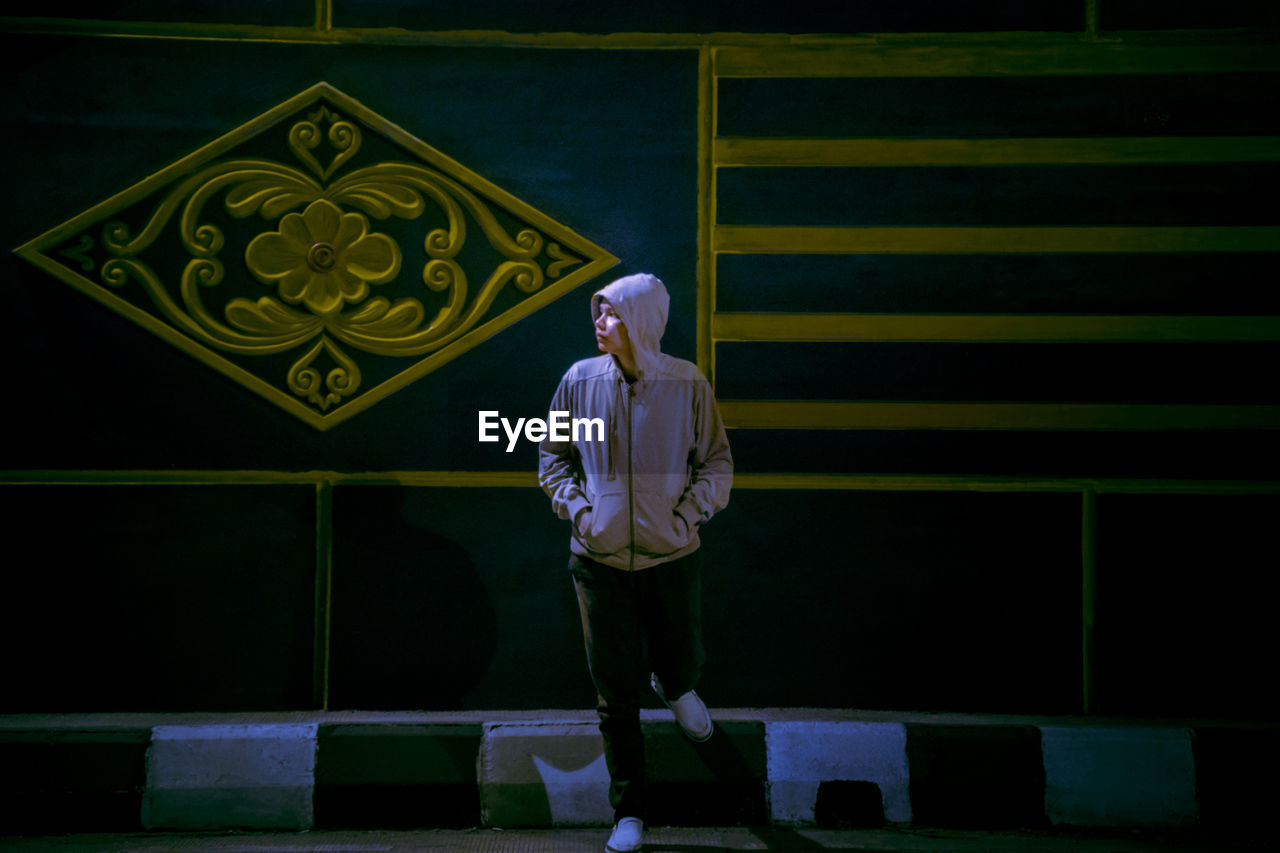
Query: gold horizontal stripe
[[744, 414], [1022, 57], [764, 481], [324, 33], [475, 479], [165, 30], [737, 151], [950, 483], [756, 54], [764, 239], [990, 328], [470, 479]]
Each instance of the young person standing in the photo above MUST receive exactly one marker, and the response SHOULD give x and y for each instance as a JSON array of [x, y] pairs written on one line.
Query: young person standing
[[635, 502]]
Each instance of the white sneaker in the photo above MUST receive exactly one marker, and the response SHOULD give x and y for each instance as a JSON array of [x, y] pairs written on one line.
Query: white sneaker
[[628, 836], [691, 713]]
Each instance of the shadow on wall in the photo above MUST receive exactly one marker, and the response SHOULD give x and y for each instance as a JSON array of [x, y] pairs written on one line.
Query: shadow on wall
[[412, 624]]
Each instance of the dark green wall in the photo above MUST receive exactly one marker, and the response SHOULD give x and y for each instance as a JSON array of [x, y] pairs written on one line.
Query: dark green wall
[[195, 594]]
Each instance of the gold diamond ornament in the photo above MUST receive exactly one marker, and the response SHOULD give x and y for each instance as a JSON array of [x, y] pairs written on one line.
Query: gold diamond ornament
[[319, 255]]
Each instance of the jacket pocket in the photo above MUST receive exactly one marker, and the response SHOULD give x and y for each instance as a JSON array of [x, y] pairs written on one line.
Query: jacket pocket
[[658, 529], [608, 528]]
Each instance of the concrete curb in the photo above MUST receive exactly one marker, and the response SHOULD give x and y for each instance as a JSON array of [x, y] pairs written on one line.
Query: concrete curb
[[397, 775], [543, 774], [1099, 776], [546, 769], [805, 756], [230, 777]]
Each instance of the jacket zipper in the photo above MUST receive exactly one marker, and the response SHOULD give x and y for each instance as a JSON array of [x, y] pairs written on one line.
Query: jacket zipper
[[631, 495]]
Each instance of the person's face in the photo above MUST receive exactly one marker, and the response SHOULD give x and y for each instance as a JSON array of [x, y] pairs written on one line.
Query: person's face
[[611, 334]]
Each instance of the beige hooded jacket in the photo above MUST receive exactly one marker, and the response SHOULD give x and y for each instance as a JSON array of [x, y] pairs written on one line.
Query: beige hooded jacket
[[638, 497]]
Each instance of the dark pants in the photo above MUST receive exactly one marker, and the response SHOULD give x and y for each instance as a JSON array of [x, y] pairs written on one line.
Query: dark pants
[[623, 613]]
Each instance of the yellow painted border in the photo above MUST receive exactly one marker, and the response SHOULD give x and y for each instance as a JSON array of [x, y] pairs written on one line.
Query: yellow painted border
[[163, 477], [706, 339], [1035, 151], [762, 239], [324, 32], [1019, 53], [741, 480], [707, 110], [1038, 328], [836, 415], [1012, 55]]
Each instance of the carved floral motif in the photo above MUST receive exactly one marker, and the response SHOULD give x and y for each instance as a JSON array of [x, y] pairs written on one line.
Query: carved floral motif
[[323, 258]]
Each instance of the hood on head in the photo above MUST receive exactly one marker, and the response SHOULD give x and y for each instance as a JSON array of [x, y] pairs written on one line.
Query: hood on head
[[641, 302]]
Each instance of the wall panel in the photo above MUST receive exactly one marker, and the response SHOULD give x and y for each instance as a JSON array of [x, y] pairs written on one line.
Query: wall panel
[[158, 598], [927, 594], [1077, 284], [1182, 616], [1143, 373], [1154, 15], [1000, 196], [1207, 455], [440, 604], [999, 107], [432, 610]]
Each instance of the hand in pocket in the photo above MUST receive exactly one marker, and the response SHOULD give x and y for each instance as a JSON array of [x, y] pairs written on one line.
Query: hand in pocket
[[582, 524], [606, 528]]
